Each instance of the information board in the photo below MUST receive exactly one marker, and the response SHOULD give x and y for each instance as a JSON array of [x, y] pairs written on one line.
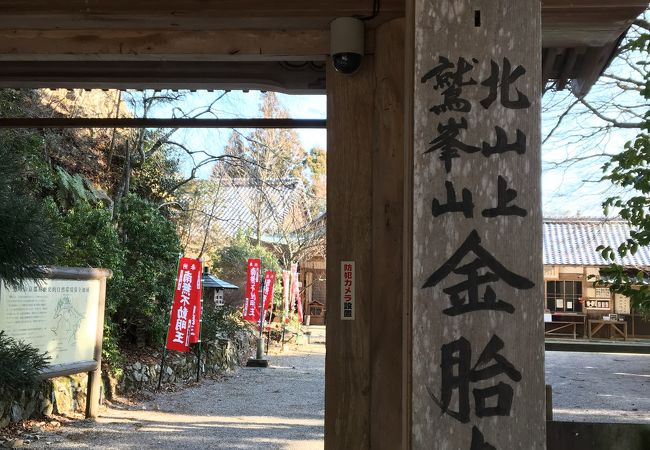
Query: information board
[[57, 316]]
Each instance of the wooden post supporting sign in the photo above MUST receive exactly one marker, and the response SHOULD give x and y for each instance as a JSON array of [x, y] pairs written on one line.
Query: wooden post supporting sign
[[477, 367]]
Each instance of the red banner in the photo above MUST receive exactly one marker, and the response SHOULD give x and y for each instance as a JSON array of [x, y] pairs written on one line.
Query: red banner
[[296, 293], [269, 281], [294, 286], [252, 302], [187, 295], [286, 288], [197, 306]]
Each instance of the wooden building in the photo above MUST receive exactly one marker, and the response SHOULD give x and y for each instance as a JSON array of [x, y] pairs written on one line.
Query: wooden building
[[572, 264], [383, 359]]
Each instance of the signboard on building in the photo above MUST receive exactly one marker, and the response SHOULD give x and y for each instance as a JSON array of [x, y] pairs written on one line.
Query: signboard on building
[[551, 273], [56, 316], [597, 303], [622, 304], [348, 295], [477, 332]]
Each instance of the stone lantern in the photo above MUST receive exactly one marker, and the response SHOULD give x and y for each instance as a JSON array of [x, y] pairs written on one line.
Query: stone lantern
[[213, 288]]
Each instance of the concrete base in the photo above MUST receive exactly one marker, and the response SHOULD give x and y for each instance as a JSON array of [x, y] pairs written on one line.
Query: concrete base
[[253, 362]]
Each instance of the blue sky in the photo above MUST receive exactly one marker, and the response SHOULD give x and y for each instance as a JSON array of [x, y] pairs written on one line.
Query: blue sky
[[239, 104], [567, 191]]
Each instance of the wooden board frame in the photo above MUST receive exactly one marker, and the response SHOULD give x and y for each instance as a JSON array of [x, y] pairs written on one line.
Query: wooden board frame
[[93, 367]]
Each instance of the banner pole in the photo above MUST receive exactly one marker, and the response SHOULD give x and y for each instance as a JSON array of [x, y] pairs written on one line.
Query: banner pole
[[260, 342], [268, 339], [169, 321], [198, 363], [162, 365]]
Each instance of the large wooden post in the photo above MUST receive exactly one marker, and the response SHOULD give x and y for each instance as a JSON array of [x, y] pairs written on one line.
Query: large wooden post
[[363, 397], [477, 374], [387, 218], [349, 238]]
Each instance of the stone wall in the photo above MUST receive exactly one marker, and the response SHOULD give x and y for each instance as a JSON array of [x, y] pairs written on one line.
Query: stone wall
[[63, 395], [217, 357], [58, 395]]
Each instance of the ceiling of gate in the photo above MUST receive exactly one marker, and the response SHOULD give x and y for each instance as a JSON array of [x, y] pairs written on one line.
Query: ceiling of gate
[[278, 44]]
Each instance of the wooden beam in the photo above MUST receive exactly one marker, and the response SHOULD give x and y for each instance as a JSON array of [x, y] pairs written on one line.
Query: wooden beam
[[160, 45], [592, 59], [579, 4], [76, 273], [295, 77], [387, 219], [407, 222], [94, 384], [188, 14], [126, 122], [350, 136], [61, 370], [245, 14]]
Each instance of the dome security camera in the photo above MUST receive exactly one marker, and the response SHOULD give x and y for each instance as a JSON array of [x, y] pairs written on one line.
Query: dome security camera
[[346, 44]]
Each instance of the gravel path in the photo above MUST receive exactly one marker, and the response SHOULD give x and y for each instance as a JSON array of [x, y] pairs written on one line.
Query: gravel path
[[599, 387], [218, 414], [592, 387]]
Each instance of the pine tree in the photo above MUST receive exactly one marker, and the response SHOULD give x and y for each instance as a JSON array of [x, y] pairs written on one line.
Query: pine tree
[[26, 239]]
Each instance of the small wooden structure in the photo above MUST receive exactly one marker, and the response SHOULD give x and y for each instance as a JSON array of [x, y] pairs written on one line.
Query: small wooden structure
[[616, 327]]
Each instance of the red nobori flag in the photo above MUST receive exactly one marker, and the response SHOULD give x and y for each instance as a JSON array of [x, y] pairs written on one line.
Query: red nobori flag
[[269, 281], [296, 293], [180, 323], [195, 299], [286, 287], [294, 287], [252, 303]]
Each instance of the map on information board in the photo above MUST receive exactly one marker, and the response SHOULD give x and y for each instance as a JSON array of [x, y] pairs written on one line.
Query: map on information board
[[56, 316]]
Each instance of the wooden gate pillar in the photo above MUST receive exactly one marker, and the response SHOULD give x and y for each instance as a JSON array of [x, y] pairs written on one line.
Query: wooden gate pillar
[[477, 354], [365, 161]]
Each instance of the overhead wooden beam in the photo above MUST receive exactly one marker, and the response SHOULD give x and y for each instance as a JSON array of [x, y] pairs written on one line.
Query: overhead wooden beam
[[586, 25], [188, 14], [290, 77], [122, 122], [155, 45], [246, 14], [608, 4]]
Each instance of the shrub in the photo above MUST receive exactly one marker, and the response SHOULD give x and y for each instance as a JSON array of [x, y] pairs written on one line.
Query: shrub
[[221, 322], [229, 263], [20, 364], [152, 247]]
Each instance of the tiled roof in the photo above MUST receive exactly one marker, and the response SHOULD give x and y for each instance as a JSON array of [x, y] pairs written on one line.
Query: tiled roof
[[573, 241], [241, 201], [210, 281]]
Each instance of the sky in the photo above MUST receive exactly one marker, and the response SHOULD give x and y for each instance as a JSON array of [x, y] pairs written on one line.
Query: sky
[[240, 104], [573, 188], [567, 190]]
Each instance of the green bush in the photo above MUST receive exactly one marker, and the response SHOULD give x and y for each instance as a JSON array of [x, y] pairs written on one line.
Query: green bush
[[20, 364], [89, 239], [221, 322], [26, 239], [142, 251], [152, 247], [229, 263]]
